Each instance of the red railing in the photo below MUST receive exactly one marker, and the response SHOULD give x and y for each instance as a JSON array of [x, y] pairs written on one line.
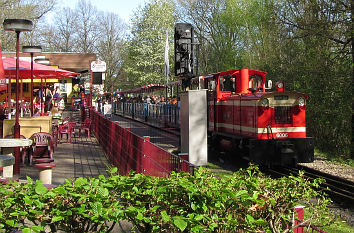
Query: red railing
[[128, 151]]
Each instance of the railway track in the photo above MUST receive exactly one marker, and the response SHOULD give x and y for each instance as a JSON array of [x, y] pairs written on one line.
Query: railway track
[[340, 190]]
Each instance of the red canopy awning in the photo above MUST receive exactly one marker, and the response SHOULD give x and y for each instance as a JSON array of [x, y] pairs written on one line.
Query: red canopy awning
[[39, 71]]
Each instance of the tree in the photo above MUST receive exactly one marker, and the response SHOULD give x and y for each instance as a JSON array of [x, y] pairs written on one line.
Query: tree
[[86, 27], [323, 63], [33, 10], [111, 47], [60, 36], [145, 61]]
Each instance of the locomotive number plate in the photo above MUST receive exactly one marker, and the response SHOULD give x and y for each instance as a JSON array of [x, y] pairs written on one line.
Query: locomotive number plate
[[281, 97], [282, 135]]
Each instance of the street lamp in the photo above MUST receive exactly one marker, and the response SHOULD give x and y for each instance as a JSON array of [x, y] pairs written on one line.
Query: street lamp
[[31, 50], [18, 26], [42, 61]]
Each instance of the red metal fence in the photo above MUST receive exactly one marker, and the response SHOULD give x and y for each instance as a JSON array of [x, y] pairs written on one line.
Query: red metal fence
[[128, 151]]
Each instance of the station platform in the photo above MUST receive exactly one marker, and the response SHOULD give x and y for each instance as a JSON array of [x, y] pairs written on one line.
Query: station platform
[[164, 138]]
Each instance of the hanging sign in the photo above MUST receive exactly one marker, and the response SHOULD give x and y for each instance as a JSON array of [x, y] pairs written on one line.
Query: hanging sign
[[98, 66]]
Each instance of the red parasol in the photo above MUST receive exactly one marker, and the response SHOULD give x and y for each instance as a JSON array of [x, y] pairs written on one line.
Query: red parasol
[[39, 71]]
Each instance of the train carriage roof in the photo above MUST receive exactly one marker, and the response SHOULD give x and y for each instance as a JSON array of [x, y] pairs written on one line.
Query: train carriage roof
[[144, 89]]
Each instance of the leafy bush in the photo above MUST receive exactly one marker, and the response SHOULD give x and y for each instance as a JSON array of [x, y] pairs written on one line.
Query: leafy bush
[[248, 201]]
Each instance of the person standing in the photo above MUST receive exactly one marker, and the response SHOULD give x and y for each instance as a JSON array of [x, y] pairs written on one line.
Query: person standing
[[57, 93], [48, 98]]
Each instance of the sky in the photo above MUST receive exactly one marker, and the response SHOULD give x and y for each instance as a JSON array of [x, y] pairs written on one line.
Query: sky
[[124, 8]]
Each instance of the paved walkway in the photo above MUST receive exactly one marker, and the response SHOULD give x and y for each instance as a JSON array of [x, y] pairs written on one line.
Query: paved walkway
[[83, 157]]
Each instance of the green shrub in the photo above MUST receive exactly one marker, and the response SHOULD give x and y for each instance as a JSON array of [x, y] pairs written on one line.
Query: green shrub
[[247, 201]]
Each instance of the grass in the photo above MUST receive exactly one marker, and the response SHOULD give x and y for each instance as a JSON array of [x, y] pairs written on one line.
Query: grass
[[339, 227], [219, 171], [335, 158]]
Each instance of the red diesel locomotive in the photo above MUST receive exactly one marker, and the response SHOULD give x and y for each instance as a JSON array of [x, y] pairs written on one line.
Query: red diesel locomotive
[[268, 128]]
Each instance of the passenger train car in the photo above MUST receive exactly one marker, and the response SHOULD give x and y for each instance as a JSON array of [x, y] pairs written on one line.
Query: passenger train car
[[268, 128]]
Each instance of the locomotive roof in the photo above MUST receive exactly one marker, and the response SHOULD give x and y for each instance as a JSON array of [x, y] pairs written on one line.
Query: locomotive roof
[[232, 72]]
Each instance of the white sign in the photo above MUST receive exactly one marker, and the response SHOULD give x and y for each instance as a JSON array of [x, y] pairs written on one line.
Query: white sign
[[98, 66]]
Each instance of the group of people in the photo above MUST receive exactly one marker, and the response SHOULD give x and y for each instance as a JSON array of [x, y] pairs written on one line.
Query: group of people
[[153, 99], [51, 97]]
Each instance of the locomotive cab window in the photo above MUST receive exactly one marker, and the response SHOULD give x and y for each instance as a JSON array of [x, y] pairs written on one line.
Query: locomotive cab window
[[256, 82], [211, 85], [227, 83]]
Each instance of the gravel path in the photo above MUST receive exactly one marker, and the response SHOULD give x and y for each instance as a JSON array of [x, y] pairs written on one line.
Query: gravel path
[[340, 170]]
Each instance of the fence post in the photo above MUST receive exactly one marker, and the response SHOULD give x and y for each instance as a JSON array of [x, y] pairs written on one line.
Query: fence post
[[184, 165], [299, 212], [145, 161]]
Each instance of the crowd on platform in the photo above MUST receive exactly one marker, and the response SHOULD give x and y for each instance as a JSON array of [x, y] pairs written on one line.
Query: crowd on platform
[[153, 99]]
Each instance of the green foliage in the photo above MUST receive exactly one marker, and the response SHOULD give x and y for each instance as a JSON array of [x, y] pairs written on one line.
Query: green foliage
[[247, 201], [145, 59]]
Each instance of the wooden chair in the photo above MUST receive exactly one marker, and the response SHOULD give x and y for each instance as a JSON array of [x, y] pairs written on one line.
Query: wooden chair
[[43, 146], [86, 127], [65, 129], [23, 150]]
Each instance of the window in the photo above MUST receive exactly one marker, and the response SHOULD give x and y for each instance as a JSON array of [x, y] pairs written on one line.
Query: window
[[227, 83], [211, 85], [256, 82]]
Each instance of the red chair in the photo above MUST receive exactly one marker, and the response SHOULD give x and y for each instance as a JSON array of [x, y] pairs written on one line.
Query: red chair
[[43, 146], [55, 133], [73, 127], [86, 127], [22, 150], [65, 129], [65, 120]]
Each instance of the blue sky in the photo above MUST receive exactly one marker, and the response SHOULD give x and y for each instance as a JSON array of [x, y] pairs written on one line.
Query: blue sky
[[124, 8]]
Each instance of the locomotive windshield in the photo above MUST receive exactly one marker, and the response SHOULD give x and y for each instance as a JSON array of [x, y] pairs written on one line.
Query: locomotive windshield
[[227, 83], [256, 82]]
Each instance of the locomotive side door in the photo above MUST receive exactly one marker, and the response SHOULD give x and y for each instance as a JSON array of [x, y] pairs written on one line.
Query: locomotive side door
[[211, 104]]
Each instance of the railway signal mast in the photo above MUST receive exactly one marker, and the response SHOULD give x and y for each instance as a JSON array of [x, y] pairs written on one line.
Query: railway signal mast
[[184, 53], [193, 110]]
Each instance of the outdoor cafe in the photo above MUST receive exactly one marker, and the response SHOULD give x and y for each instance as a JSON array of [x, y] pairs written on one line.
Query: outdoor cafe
[[26, 115]]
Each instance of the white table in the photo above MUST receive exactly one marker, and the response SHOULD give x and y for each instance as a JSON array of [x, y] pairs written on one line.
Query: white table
[[7, 161], [15, 142]]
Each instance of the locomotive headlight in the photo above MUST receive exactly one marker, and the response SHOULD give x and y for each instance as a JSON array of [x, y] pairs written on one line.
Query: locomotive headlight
[[301, 101], [265, 102], [280, 85]]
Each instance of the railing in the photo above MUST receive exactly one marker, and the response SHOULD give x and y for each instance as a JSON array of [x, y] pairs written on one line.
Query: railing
[[165, 114], [128, 151]]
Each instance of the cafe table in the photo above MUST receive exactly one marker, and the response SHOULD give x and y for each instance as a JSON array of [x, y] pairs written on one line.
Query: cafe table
[[7, 161]]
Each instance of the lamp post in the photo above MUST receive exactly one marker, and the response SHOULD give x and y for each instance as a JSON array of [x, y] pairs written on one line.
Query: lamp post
[[31, 50], [43, 61], [18, 26]]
